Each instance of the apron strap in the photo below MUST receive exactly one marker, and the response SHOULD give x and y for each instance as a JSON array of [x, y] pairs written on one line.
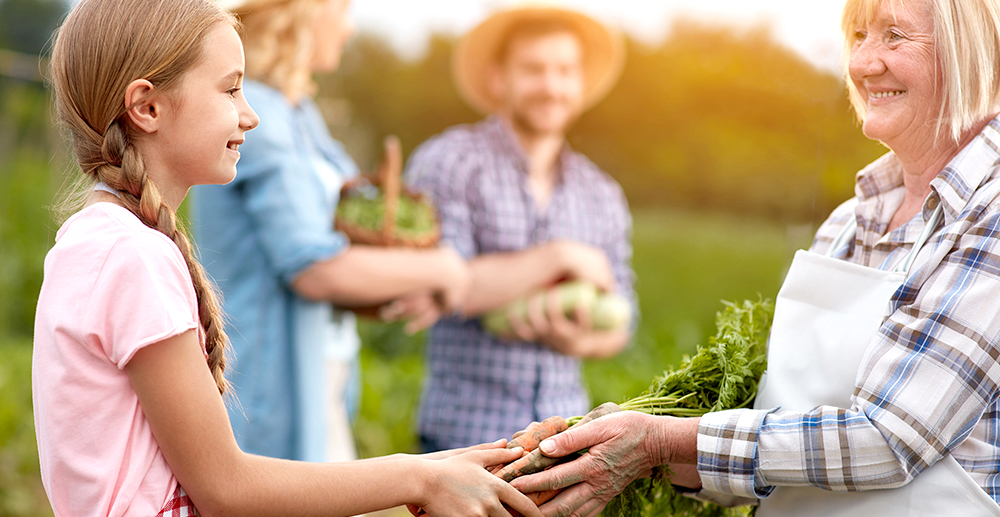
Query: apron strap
[[850, 230], [847, 233], [932, 223]]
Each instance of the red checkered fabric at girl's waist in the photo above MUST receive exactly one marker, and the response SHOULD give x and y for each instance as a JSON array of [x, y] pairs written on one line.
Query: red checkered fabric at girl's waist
[[178, 505]]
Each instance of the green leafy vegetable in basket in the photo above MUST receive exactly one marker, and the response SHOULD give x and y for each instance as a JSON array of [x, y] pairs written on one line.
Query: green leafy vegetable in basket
[[414, 217], [722, 375]]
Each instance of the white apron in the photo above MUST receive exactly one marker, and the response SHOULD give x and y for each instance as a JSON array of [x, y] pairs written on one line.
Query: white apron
[[836, 307]]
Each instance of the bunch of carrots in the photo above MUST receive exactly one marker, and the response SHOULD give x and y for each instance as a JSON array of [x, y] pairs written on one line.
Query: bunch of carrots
[[723, 374], [533, 460]]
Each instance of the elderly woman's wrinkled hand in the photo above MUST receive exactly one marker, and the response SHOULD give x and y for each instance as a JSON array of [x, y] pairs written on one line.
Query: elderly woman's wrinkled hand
[[622, 447]]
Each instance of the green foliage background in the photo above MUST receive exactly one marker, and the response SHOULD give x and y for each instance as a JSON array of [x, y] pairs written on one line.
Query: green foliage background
[[714, 118], [731, 149]]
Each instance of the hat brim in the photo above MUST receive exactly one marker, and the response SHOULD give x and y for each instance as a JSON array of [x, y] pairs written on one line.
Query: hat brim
[[603, 54], [241, 6]]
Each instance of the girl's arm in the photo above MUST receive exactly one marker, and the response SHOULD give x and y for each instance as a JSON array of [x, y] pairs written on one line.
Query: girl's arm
[[366, 275], [188, 418]]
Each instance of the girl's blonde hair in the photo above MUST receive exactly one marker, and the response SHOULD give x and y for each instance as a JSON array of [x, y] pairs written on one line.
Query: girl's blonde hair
[[102, 47], [278, 41], [967, 37]]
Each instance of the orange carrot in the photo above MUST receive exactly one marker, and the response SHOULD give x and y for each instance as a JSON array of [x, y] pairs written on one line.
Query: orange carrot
[[535, 461], [530, 463], [538, 431], [540, 498]]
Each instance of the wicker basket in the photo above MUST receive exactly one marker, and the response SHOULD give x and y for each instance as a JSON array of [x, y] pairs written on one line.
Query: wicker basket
[[388, 181]]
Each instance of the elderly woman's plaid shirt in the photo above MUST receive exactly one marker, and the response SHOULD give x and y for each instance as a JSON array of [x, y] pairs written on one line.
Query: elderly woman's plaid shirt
[[931, 379]]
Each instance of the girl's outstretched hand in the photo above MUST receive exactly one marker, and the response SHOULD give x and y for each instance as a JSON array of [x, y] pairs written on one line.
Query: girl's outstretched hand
[[459, 485]]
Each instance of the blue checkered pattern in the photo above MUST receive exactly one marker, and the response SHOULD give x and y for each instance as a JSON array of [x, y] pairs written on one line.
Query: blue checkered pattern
[[479, 388], [930, 381]]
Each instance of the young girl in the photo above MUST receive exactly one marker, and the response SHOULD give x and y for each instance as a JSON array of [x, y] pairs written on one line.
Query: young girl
[[129, 345]]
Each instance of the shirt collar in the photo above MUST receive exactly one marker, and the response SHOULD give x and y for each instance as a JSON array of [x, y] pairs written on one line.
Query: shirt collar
[[503, 134], [954, 185]]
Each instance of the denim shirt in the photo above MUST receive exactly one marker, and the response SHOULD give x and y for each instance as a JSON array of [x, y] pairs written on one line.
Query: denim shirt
[[256, 234]]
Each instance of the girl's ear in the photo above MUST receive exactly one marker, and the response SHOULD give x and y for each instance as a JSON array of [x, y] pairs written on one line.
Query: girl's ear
[[144, 108]]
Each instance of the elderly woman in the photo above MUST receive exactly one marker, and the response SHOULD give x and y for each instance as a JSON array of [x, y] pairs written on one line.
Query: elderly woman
[[882, 395], [268, 240]]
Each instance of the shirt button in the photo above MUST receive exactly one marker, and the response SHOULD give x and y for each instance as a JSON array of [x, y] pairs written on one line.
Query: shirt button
[[932, 202]]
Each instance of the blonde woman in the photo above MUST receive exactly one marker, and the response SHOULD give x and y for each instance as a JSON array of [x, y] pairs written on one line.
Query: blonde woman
[[267, 238], [882, 392], [129, 347]]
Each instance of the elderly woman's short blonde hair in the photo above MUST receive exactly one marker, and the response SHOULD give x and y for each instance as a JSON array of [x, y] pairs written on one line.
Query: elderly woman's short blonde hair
[[278, 40], [967, 37]]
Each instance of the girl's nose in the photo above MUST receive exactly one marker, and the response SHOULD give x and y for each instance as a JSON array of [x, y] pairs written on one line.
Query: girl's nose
[[248, 117]]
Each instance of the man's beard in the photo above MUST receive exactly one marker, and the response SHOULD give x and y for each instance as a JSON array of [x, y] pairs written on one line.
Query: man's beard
[[523, 123]]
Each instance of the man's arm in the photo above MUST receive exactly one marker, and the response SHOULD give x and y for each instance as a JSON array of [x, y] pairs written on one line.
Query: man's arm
[[570, 336], [499, 278], [574, 336]]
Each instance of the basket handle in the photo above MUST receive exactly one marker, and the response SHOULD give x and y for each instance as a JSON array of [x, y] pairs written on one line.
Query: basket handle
[[389, 173]]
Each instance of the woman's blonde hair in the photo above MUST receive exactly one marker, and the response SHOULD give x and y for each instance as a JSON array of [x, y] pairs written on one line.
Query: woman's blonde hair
[[278, 41], [967, 37], [102, 47]]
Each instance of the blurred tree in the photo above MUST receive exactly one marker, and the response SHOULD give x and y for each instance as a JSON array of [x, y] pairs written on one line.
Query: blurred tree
[[30, 170], [29, 161], [719, 118], [389, 96], [26, 25], [713, 118]]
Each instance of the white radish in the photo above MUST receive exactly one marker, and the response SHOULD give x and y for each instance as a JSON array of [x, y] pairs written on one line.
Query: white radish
[[608, 311]]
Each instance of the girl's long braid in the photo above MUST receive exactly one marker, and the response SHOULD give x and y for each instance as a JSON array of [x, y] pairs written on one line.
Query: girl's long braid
[[94, 59], [123, 170]]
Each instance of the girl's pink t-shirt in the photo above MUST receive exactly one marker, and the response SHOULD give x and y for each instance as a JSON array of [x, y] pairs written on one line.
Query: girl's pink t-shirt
[[112, 286]]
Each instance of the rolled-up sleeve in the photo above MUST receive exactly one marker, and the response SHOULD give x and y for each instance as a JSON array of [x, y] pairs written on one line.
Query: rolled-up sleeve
[[727, 452]]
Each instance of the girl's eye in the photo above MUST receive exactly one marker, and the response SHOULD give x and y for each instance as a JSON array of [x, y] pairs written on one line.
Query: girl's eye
[[232, 91]]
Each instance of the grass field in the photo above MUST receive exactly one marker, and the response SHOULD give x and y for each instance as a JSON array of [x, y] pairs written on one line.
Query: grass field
[[686, 263]]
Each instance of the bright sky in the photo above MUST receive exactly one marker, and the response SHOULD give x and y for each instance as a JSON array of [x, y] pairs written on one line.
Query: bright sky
[[811, 27]]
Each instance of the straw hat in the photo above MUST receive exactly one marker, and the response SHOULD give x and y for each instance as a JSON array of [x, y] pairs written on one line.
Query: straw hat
[[235, 5], [603, 53]]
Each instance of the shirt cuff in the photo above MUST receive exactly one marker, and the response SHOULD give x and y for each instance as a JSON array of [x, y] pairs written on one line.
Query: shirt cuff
[[723, 500], [727, 452]]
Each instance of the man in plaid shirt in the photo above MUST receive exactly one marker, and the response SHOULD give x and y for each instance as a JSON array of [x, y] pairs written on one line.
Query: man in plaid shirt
[[527, 212]]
